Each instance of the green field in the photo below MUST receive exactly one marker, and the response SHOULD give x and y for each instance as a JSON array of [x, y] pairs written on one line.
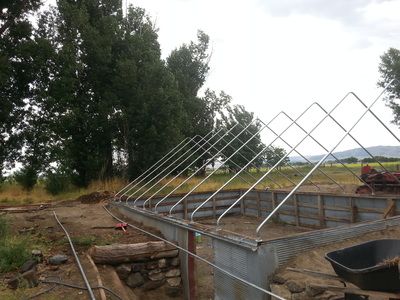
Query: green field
[[12, 193]]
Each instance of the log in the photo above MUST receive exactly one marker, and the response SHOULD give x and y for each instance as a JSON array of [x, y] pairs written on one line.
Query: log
[[99, 281], [124, 253]]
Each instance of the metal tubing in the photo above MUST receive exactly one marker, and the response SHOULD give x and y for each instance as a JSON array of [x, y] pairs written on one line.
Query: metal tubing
[[333, 155], [159, 166], [254, 158], [89, 289], [233, 161], [182, 170], [320, 162], [254, 152], [172, 164], [209, 175], [305, 158], [369, 153], [240, 141], [287, 154], [161, 159], [198, 257]]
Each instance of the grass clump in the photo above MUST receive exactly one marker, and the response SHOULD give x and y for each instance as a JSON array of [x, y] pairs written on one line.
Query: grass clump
[[13, 251]]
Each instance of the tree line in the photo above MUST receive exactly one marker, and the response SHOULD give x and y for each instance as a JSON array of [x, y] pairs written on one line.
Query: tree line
[[85, 93]]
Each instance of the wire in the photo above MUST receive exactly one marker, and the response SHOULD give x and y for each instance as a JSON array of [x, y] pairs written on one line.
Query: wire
[[43, 292], [198, 257], [77, 259], [74, 286]]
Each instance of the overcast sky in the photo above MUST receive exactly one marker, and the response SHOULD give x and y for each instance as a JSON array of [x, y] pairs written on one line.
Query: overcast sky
[[284, 54]]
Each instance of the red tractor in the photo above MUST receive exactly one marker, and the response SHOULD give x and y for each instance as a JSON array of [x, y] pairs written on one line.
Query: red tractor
[[381, 182]]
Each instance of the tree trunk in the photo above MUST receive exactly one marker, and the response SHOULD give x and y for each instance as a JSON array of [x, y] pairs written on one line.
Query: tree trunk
[[122, 253]]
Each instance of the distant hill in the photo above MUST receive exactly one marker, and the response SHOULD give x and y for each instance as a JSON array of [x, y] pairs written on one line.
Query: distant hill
[[387, 151]]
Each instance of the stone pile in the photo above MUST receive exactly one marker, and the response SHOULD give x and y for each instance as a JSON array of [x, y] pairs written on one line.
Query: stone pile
[[152, 274], [146, 266]]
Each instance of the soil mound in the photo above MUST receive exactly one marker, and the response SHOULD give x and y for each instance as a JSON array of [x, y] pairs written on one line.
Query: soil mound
[[94, 197]]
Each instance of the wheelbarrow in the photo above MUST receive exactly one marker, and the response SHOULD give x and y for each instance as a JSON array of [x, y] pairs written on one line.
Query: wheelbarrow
[[373, 265]]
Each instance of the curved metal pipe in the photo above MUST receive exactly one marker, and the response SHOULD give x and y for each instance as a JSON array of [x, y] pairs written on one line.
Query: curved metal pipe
[[320, 162], [176, 167], [287, 154], [254, 158], [148, 170], [204, 165], [151, 179]]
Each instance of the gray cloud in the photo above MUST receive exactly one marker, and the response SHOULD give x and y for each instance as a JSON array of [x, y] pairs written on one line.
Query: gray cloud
[[347, 11], [350, 13]]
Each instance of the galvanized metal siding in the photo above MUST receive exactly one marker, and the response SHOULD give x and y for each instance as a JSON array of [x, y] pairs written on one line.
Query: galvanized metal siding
[[289, 247]]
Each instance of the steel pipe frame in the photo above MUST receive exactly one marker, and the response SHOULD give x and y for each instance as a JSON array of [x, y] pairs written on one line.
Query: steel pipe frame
[[159, 161], [333, 155], [254, 158], [158, 167], [209, 175], [287, 154], [202, 153], [269, 165], [273, 181], [347, 132], [380, 121], [171, 164], [305, 158], [219, 160], [204, 165]]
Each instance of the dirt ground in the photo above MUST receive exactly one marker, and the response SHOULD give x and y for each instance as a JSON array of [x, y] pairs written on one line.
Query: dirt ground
[[88, 224], [246, 226]]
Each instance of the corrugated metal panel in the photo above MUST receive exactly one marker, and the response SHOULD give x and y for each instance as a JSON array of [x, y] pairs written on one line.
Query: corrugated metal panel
[[235, 260], [286, 248]]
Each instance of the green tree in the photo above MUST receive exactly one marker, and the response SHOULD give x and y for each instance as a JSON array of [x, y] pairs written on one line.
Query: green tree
[[350, 160], [17, 72], [389, 68], [274, 154], [237, 114]]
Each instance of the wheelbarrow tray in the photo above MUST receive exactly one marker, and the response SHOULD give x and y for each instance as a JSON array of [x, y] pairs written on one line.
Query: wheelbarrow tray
[[365, 265]]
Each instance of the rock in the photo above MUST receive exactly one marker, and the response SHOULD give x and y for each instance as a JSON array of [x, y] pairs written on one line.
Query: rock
[[28, 278], [277, 279], [175, 262], [58, 259], [151, 265], [37, 255], [281, 290], [156, 275], [136, 267], [174, 281], [28, 265], [135, 280], [152, 285], [313, 291], [300, 296], [25, 230], [172, 291], [326, 296], [162, 263], [295, 286], [123, 271], [173, 273]]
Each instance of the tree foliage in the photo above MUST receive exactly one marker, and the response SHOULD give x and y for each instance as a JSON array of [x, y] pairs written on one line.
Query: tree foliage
[[86, 95], [389, 68]]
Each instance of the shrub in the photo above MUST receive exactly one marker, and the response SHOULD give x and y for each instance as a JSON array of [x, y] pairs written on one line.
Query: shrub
[[27, 178], [56, 183], [3, 229], [13, 252]]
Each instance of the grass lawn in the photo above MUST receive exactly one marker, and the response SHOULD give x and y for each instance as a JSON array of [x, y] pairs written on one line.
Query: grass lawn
[[14, 194]]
